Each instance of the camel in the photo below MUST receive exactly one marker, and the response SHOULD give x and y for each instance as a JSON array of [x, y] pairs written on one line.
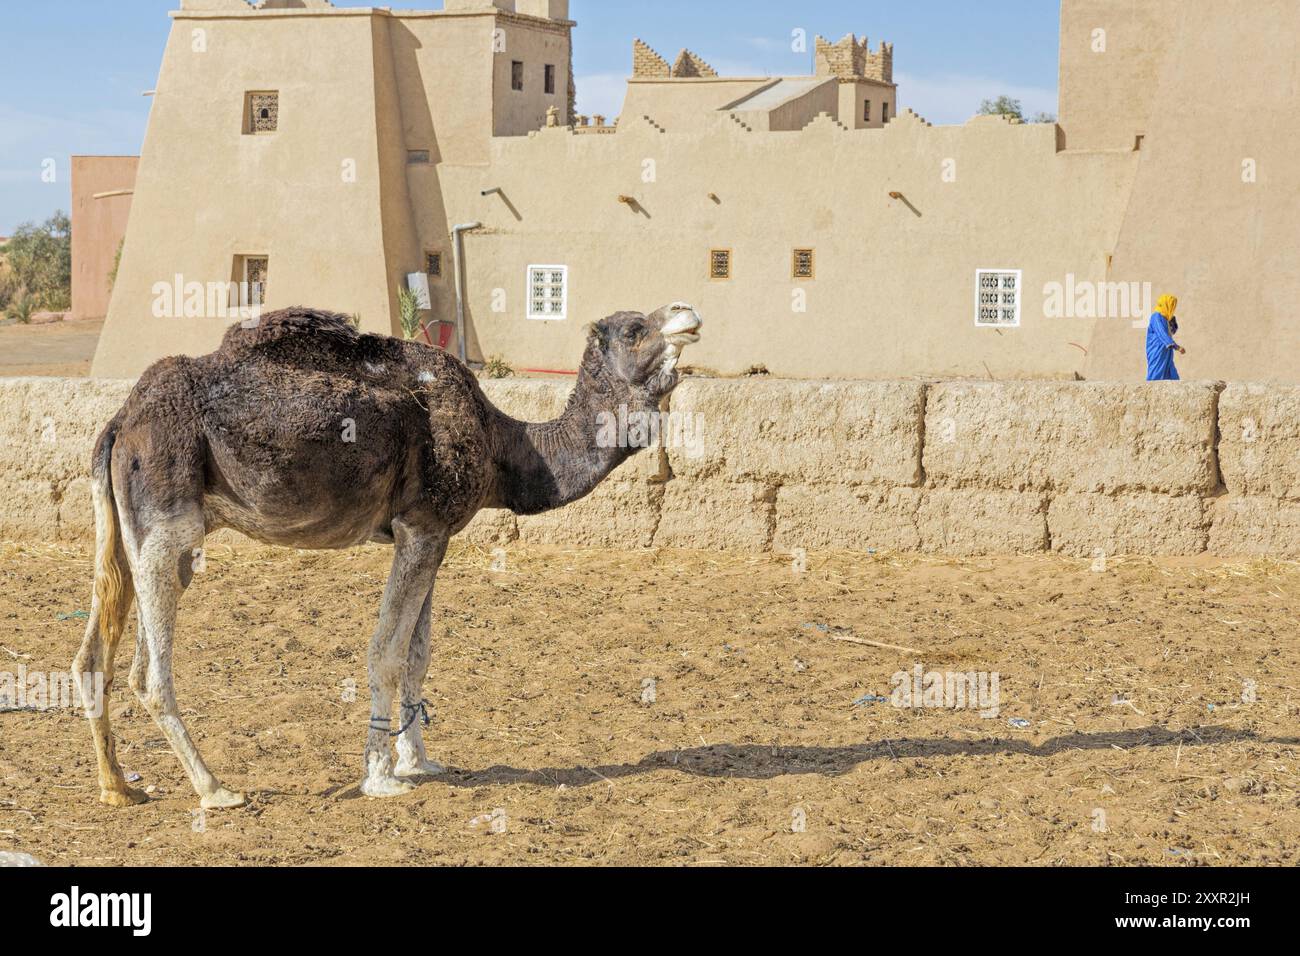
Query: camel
[[302, 432]]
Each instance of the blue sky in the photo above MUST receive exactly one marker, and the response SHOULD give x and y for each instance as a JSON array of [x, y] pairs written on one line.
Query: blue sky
[[73, 70]]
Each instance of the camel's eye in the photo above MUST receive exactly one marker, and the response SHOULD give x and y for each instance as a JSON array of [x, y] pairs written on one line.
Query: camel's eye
[[634, 334]]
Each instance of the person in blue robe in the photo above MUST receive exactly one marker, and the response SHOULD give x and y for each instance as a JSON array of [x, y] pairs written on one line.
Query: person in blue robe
[[1160, 341]]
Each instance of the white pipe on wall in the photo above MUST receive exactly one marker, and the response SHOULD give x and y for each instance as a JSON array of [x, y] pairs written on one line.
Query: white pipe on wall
[[458, 253]]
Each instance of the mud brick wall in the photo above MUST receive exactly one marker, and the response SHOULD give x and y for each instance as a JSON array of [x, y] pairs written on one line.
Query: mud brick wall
[[948, 468], [48, 428]]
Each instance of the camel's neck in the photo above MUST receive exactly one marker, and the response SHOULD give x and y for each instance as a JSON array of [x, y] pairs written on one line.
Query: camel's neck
[[541, 467]]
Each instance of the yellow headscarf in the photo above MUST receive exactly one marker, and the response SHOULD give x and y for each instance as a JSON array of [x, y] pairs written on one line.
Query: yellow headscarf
[[1167, 305]]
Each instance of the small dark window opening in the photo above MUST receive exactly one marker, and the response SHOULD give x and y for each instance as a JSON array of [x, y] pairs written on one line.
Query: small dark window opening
[[433, 265], [719, 263], [884, 112], [803, 264], [516, 75], [262, 111], [866, 111], [251, 280], [550, 80]]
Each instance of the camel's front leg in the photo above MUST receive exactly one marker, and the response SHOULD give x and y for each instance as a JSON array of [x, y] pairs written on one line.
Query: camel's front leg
[[412, 761], [419, 552]]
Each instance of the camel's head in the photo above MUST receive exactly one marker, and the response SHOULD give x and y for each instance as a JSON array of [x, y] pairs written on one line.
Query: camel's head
[[642, 350]]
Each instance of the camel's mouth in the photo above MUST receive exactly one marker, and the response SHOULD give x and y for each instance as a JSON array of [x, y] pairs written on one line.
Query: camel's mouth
[[683, 325]]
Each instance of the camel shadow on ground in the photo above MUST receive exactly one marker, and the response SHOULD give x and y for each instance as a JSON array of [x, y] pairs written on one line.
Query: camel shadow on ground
[[759, 762]]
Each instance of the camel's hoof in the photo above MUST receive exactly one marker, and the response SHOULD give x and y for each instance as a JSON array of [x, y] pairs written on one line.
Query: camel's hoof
[[420, 768], [127, 797], [222, 799], [385, 787]]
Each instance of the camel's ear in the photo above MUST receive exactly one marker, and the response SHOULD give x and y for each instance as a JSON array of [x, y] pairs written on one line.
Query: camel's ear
[[598, 334]]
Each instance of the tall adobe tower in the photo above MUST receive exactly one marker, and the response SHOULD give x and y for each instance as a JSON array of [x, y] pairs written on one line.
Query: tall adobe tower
[[303, 148], [868, 94]]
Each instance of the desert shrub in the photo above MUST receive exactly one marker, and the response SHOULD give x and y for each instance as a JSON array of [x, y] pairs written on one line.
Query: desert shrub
[[8, 285], [408, 312], [117, 262], [21, 308], [41, 259], [496, 367]]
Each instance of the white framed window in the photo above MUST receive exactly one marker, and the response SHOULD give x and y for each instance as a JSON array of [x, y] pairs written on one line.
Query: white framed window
[[997, 298], [548, 292]]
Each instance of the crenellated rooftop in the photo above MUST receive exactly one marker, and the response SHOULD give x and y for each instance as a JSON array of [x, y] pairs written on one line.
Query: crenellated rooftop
[[647, 64], [852, 59]]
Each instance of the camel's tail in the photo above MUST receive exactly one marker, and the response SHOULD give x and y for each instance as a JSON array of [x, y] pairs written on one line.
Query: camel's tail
[[113, 587]]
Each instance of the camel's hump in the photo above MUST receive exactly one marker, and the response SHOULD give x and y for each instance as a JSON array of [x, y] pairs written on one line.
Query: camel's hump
[[308, 339], [315, 341], [294, 324]]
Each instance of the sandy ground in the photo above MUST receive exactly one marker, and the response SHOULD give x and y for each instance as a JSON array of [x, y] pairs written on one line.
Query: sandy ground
[[62, 349], [1145, 743]]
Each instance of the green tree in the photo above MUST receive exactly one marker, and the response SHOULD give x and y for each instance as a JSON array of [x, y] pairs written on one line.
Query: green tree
[[41, 259], [1009, 106], [8, 283], [1002, 106]]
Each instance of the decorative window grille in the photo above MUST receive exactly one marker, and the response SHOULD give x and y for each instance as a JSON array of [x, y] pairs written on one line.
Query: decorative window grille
[[719, 263], [255, 272], [997, 298], [516, 75], [433, 265], [803, 265], [548, 292], [417, 157], [550, 79], [263, 112]]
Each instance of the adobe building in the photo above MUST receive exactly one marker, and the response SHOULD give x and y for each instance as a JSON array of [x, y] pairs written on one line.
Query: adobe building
[[330, 156]]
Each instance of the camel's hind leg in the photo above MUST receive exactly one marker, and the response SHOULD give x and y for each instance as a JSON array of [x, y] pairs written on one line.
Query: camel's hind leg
[[92, 669], [412, 760], [418, 553], [163, 566]]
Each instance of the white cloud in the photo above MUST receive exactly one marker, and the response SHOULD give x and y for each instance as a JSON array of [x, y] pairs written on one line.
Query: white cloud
[[601, 94], [952, 98]]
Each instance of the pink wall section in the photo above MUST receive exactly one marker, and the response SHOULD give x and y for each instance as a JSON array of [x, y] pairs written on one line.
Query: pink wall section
[[98, 226]]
